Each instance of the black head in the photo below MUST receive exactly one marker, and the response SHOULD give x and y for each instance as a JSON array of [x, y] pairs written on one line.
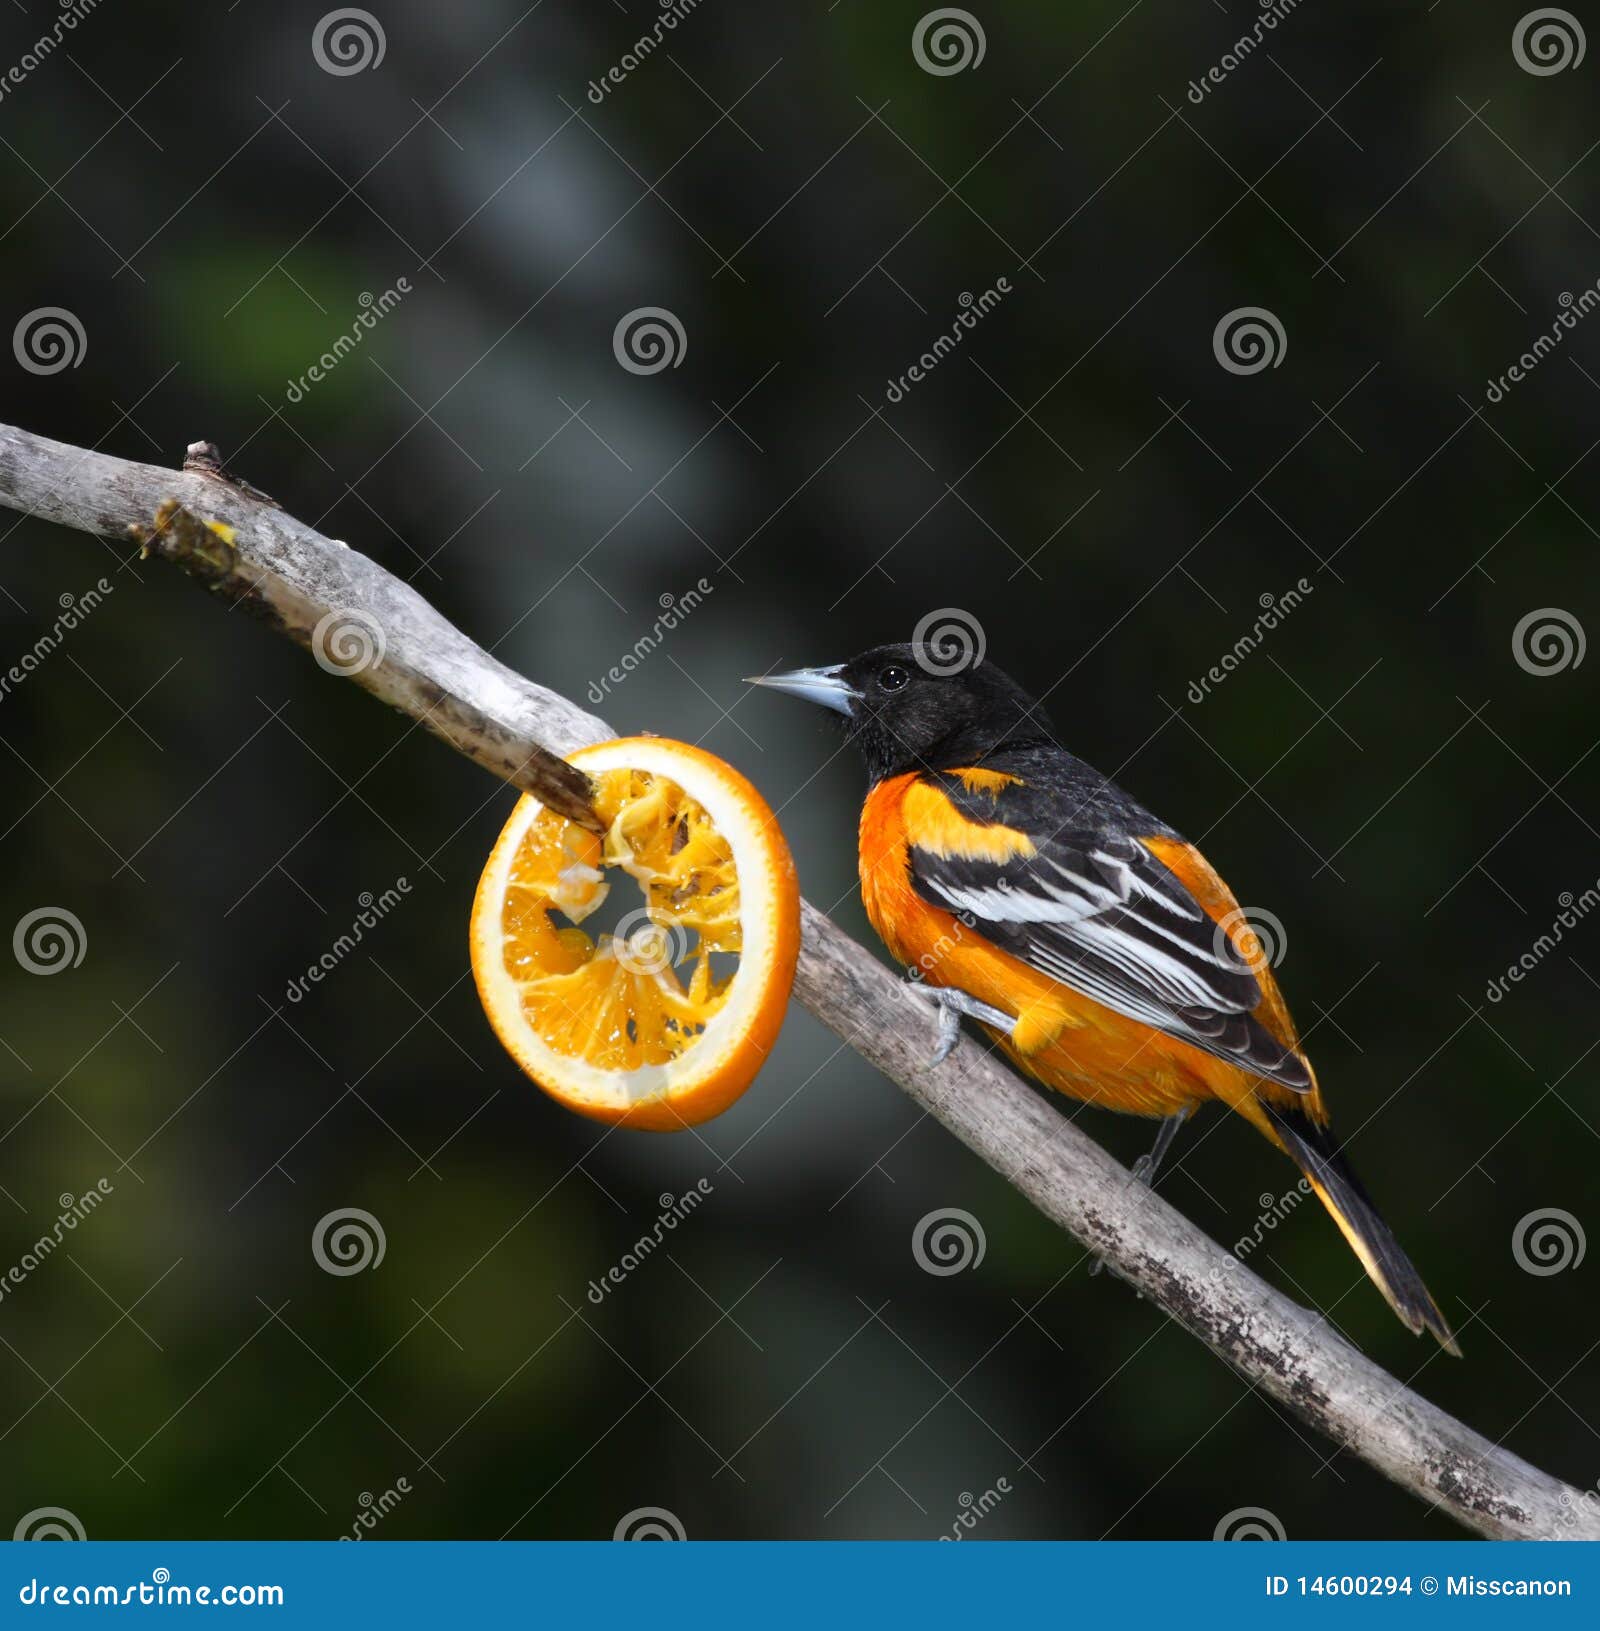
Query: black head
[[921, 707]]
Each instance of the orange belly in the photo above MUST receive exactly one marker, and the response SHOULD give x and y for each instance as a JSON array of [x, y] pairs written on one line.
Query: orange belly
[[1062, 1038]]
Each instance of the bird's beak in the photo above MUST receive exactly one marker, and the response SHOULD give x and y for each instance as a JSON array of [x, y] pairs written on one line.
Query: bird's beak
[[821, 685]]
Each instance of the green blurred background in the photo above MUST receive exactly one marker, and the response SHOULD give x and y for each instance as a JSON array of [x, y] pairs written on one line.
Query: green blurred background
[[1081, 476]]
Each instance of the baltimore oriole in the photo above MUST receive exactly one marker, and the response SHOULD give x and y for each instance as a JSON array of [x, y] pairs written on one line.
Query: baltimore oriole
[[1087, 936]]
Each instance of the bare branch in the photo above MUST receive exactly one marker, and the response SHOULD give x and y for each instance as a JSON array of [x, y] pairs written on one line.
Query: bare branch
[[305, 584]]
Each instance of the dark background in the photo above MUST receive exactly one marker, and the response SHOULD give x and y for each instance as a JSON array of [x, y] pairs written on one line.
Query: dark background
[[1081, 477]]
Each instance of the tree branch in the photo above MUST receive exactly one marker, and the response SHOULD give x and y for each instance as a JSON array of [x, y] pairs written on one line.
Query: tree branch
[[359, 620]]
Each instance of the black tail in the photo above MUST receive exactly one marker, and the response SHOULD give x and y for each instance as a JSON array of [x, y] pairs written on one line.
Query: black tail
[[1316, 1152]]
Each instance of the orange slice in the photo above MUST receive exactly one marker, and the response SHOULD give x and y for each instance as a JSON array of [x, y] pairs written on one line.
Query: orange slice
[[664, 1021]]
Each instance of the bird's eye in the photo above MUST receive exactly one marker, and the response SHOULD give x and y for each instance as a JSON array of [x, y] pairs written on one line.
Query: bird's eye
[[894, 678]]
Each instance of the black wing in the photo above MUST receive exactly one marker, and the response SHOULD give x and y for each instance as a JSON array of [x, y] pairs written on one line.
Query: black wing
[[1096, 910]]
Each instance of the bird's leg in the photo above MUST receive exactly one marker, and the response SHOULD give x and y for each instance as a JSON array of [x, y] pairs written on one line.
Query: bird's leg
[[1144, 1169], [952, 1004]]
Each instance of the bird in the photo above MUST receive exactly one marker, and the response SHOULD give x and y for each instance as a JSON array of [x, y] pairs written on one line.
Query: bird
[[1089, 938]]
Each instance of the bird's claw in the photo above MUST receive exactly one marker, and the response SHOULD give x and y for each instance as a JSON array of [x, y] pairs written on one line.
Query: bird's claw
[[952, 1005]]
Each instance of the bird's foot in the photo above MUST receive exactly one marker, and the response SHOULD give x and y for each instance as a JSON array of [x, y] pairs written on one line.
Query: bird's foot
[[1144, 1169], [952, 1005]]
